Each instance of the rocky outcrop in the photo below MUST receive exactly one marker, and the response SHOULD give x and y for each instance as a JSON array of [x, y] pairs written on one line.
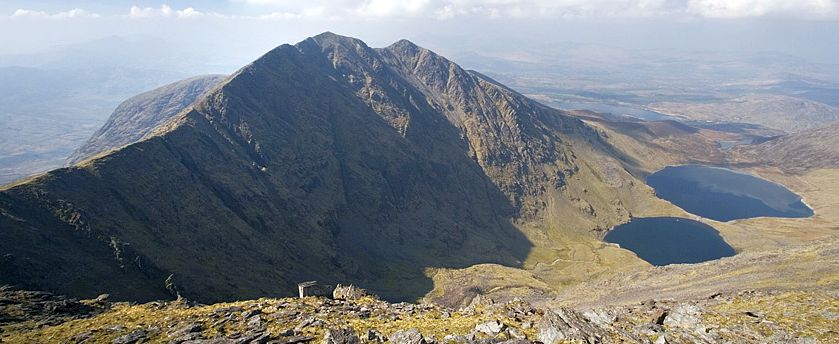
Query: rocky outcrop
[[735, 318], [44, 308], [348, 292], [341, 336], [409, 336], [561, 325]]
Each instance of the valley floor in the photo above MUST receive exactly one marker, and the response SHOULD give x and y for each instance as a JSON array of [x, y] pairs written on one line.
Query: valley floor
[[774, 254]]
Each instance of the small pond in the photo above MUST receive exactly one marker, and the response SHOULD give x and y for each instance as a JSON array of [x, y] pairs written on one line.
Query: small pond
[[670, 240]]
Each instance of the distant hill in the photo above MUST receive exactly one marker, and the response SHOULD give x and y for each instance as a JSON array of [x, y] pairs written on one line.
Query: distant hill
[[47, 112], [53, 100], [139, 115], [798, 152], [789, 114], [325, 160]]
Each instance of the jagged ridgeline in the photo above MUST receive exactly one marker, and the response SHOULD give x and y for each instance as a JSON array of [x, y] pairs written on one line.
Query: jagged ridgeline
[[326, 160]]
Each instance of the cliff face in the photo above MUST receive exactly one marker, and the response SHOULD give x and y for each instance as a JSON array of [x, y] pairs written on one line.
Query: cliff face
[[326, 160]]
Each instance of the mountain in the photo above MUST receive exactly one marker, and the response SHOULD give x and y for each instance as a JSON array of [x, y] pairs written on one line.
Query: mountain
[[139, 115], [798, 152], [47, 112], [54, 100], [781, 112], [325, 160]]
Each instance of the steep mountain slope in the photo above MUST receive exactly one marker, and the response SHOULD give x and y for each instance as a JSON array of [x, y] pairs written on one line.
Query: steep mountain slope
[[326, 160], [139, 115], [656, 144]]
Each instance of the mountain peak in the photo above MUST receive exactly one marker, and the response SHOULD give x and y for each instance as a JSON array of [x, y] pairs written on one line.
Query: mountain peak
[[404, 47], [404, 44], [329, 39], [327, 160]]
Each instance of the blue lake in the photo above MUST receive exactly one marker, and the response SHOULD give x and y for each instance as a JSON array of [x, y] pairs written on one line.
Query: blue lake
[[670, 240], [617, 110], [724, 195]]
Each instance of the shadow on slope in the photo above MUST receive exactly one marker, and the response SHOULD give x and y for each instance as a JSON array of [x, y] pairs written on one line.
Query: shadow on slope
[[280, 175]]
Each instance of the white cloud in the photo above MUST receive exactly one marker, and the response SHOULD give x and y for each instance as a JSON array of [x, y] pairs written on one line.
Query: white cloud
[[74, 13], [309, 12], [385, 8], [167, 11], [759, 8], [188, 12], [493, 9], [447, 9], [280, 15], [267, 2], [148, 12], [547, 8]]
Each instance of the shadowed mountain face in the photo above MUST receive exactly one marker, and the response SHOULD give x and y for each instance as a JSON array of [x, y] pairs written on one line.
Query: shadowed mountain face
[[326, 160], [139, 115]]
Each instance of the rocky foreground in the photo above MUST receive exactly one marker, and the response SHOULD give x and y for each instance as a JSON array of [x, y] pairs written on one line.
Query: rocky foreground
[[353, 317]]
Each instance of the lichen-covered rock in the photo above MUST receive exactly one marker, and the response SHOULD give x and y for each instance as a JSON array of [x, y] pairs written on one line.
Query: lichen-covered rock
[[409, 336], [564, 325], [341, 336], [348, 292], [658, 316], [375, 336], [490, 328], [600, 317], [684, 315], [189, 328], [45, 308], [131, 338], [724, 319]]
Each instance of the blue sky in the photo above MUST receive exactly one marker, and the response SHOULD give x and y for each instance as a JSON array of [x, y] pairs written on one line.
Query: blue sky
[[800, 27]]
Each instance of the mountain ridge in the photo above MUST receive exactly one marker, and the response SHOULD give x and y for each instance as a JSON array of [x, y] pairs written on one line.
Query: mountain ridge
[[325, 160], [139, 115]]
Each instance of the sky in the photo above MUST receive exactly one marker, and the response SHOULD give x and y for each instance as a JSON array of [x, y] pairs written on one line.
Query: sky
[[242, 29]]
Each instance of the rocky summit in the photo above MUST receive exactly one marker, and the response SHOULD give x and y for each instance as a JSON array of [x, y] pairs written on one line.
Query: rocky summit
[[326, 160]]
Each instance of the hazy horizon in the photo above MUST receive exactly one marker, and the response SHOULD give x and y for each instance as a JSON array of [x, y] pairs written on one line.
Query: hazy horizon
[[240, 30], [67, 64]]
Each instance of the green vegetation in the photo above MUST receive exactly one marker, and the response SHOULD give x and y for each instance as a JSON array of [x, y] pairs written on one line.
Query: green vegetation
[[803, 314], [161, 321], [327, 160]]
